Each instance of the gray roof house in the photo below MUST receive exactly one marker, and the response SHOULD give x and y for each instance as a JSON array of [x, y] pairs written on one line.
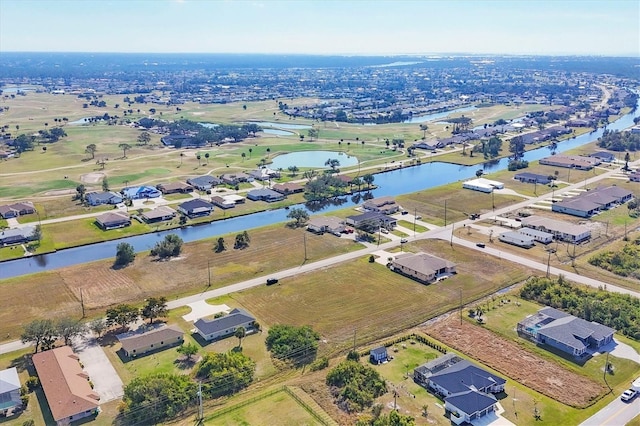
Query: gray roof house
[[105, 197], [385, 221], [321, 224], [422, 266], [9, 390], [204, 183], [572, 335], [224, 326], [17, 235], [466, 388], [196, 208], [265, 194]]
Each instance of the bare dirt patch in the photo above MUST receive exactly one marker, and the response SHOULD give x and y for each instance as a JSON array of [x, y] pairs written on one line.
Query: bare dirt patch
[[60, 192], [92, 177], [515, 362]]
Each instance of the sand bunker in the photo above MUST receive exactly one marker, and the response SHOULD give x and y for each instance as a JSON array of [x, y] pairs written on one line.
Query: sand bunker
[[92, 177]]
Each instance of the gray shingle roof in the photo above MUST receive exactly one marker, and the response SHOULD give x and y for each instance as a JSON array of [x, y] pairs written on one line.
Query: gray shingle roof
[[236, 317], [471, 401]]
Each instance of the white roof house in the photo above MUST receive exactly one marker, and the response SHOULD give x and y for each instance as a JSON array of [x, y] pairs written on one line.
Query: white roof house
[[483, 185]]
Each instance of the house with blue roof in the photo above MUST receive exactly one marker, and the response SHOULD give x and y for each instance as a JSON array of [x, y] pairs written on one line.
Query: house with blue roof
[[140, 192], [569, 334], [225, 326]]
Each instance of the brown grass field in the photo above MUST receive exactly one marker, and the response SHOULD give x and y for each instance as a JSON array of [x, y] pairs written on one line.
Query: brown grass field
[[510, 359], [368, 300]]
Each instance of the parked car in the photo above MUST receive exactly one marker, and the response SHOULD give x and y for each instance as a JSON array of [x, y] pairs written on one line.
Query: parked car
[[272, 281], [404, 240], [418, 217], [384, 230], [481, 245], [404, 212], [628, 395]]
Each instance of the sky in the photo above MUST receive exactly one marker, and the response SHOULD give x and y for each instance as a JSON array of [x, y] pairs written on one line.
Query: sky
[[353, 27]]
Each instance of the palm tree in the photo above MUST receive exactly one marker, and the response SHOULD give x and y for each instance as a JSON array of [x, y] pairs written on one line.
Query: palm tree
[[243, 156], [368, 179], [250, 151], [424, 129], [240, 334], [627, 158], [268, 151], [198, 157], [206, 155]]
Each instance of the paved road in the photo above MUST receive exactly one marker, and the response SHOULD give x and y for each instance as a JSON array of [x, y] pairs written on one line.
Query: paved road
[[617, 413]]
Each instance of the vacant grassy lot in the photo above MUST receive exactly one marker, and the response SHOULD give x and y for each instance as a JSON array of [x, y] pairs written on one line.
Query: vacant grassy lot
[[430, 204], [371, 299], [57, 293], [278, 409]]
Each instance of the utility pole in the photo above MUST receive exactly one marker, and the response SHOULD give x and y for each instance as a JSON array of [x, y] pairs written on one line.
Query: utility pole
[[415, 212], [548, 261], [82, 303], [209, 271], [460, 305], [200, 407], [304, 239], [445, 213]]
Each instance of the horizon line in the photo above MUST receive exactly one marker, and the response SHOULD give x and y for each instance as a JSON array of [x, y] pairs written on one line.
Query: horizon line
[[428, 54]]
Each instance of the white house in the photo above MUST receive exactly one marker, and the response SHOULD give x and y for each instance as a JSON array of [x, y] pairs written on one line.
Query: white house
[[517, 239], [9, 390]]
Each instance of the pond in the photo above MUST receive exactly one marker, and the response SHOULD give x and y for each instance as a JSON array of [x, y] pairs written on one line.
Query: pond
[[277, 132], [281, 125], [312, 159], [437, 115]]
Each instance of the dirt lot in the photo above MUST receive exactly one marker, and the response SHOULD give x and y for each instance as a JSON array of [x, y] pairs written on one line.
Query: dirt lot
[[518, 364]]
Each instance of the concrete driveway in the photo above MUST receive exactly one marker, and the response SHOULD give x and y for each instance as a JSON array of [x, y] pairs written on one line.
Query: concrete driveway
[[104, 377]]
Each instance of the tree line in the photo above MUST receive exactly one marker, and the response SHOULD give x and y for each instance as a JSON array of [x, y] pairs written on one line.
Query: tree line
[[618, 141], [625, 262], [619, 311]]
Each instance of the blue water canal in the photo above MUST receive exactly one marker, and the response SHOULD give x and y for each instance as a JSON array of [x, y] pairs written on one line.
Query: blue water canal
[[393, 183]]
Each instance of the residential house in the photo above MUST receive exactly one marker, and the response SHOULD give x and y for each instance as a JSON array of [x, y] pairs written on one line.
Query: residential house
[[195, 208], [235, 178], [65, 385], [105, 197], [9, 391], [288, 188], [422, 266], [385, 205], [159, 214], [561, 230], [482, 185], [604, 156], [17, 235], [321, 224], [149, 340], [225, 326], [527, 177], [140, 192], [17, 209], [265, 194], [264, 173], [380, 219], [174, 187], [222, 202], [571, 162], [466, 388], [204, 183], [569, 334], [468, 406], [113, 220], [635, 176], [378, 355]]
